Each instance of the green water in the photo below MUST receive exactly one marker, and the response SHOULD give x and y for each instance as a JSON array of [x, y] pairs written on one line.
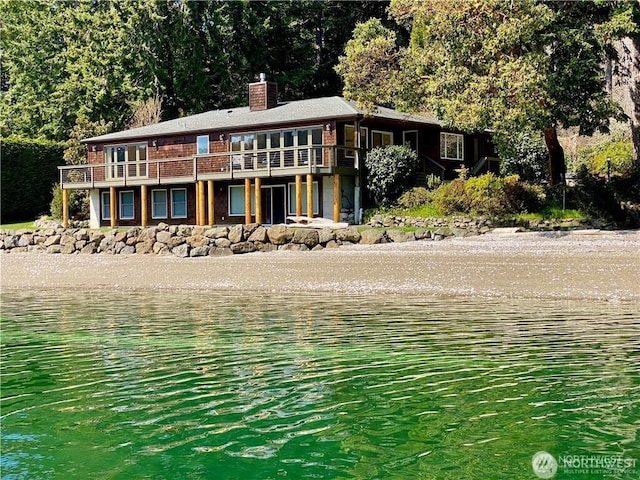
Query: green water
[[131, 385]]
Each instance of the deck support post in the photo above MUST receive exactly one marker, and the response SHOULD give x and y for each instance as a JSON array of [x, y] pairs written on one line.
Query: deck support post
[[65, 208], [201, 203], [337, 198], [143, 206], [112, 207], [247, 200], [210, 203], [298, 195], [258, 200], [309, 195], [197, 185]]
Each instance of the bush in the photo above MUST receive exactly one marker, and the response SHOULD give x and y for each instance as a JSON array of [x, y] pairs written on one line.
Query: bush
[[78, 204], [414, 198], [388, 172], [613, 156], [29, 169], [488, 195], [524, 155]]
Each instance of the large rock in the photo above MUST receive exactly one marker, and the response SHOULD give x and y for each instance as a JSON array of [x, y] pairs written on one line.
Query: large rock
[[222, 243], [279, 234], [294, 247], [258, 235], [265, 247], [235, 234], [55, 248], [422, 234], [217, 232], [68, 248], [120, 236], [128, 250], [181, 250], [52, 240], [325, 235], [25, 240], [306, 236], [219, 252], [145, 247], [201, 251], [197, 240], [249, 228], [243, 247], [89, 248], [398, 236], [163, 236], [349, 234], [371, 236], [175, 241]]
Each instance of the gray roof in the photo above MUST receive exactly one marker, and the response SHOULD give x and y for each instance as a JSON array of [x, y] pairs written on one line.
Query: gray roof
[[315, 109]]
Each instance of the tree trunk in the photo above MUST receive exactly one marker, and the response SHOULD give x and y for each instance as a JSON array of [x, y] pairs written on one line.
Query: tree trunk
[[557, 167]]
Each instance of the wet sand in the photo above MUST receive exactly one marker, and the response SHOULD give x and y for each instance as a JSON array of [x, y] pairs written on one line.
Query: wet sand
[[578, 265]]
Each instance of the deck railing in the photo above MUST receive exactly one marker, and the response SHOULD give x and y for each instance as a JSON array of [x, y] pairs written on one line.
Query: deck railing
[[226, 165]]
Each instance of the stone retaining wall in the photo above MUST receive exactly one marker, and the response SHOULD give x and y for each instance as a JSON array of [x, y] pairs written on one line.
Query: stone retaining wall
[[195, 241]]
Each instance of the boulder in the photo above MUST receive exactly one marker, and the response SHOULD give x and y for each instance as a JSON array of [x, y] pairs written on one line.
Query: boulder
[[294, 247], [197, 240], [243, 247], [249, 228], [279, 234], [25, 240], [54, 248], [52, 240], [217, 232], [163, 236], [175, 241], [265, 247], [222, 243], [235, 234], [349, 234], [325, 235], [371, 237], [258, 235], [306, 236], [161, 249], [80, 244], [219, 252], [198, 230], [422, 234], [184, 230], [398, 236], [201, 251], [89, 248], [145, 247], [119, 246], [128, 250], [181, 250], [120, 236]]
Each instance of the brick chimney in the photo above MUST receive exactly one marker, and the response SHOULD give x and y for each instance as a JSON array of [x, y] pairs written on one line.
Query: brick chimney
[[263, 95]]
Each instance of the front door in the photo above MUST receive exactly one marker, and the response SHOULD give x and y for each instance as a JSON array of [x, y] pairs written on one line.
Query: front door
[[273, 204]]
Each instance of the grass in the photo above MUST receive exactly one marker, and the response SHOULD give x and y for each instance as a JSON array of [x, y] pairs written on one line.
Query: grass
[[18, 226], [553, 212]]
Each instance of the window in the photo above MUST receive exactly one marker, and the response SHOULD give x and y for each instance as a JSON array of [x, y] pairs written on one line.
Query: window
[[105, 205], [292, 199], [451, 146], [203, 144], [410, 138], [381, 139], [126, 205], [158, 204], [350, 139], [178, 203], [133, 157], [236, 200]]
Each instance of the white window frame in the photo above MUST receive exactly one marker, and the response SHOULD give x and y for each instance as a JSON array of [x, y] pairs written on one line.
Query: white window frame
[[105, 201], [445, 139], [405, 142], [154, 214], [173, 203], [198, 139], [291, 203], [364, 140], [128, 167], [121, 215], [383, 135]]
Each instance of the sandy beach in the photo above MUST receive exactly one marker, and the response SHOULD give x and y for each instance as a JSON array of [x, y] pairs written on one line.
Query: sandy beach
[[593, 265]]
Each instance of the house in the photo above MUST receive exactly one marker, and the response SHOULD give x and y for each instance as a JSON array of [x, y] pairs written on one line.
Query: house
[[260, 163]]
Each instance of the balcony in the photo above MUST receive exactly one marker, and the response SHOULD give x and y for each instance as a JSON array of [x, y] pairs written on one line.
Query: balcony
[[316, 159]]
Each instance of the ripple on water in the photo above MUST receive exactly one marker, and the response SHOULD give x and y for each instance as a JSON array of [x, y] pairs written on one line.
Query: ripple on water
[[323, 386]]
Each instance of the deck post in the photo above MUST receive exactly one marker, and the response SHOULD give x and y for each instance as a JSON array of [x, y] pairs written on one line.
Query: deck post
[[298, 195], [210, 202], [337, 199], [197, 185], [247, 200], [309, 195], [143, 205], [65, 208], [201, 202], [112, 207], [258, 200]]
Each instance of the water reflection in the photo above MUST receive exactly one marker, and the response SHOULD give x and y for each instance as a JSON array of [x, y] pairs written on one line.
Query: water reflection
[[145, 385]]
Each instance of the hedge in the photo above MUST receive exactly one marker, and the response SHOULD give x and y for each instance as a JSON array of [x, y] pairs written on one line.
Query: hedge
[[29, 171]]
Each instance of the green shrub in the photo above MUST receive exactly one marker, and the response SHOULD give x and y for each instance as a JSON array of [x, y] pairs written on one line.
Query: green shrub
[[488, 195], [389, 170], [29, 169], [613, 156], [413, 198], [78, 204], [524, 155]]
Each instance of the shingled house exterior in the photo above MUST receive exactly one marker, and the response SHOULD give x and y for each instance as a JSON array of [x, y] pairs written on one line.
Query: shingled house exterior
[[261, 163]]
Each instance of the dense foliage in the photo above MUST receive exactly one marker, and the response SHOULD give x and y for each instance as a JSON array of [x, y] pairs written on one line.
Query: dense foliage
[[525, 155], [488, 195], [106, 61], [614, 156], [388, 171], [494, 64], [29, 170]]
